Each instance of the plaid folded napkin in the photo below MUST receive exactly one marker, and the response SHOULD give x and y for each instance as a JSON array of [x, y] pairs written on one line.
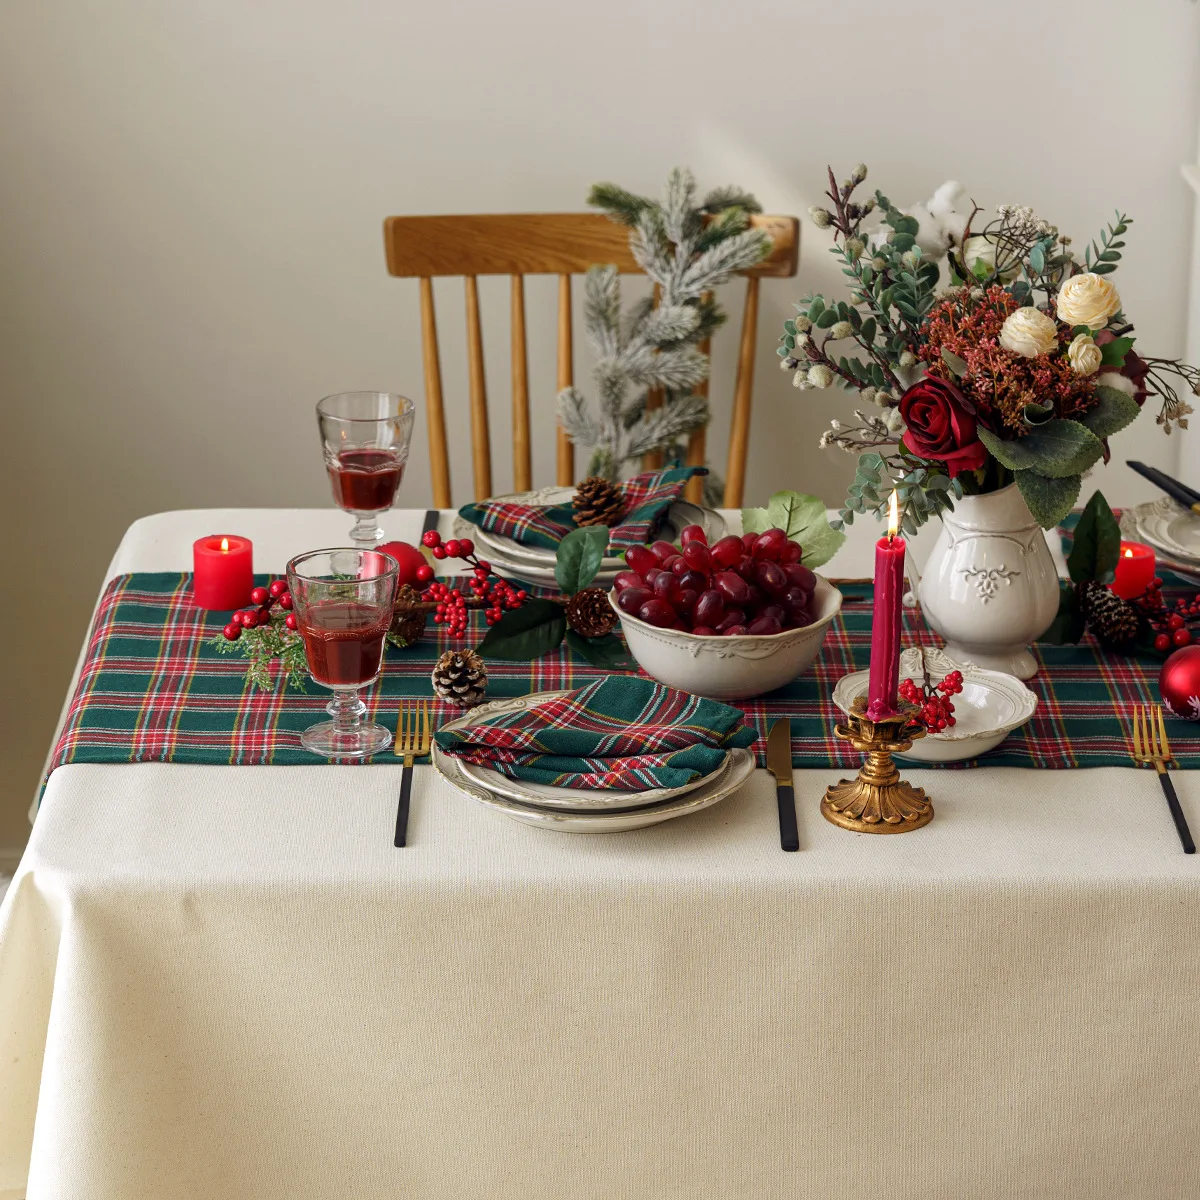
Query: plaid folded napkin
[[647, 498], [621, 732]]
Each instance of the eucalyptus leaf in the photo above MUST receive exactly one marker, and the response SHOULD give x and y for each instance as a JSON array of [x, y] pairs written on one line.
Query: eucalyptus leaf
[[1057, 450], [957, 365], [534, 629], [1115, 409], [1097, 543], [579, 557], [1049, 500]]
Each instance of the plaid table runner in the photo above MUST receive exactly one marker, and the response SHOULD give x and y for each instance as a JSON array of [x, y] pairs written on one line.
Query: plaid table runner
[[647, 498], [152, 690], [623, 731]]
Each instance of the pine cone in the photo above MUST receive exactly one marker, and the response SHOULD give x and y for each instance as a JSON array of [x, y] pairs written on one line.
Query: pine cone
[[590, 614], [1114, 621], [598, 501], [460, 677], [408, 626]]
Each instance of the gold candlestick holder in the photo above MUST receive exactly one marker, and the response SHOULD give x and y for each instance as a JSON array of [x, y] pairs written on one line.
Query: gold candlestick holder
[[877, 800]]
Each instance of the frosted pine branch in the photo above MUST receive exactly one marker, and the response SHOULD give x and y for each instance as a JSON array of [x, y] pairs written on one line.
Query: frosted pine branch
[[669, 323], [680, 218], [602, 309], [716, 265], [729, 197], [573, 417], [660, 427], [647, 367], [620, 205]]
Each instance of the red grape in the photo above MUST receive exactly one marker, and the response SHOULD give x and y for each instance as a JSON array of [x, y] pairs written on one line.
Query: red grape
[[631, 599], [687, 600], [770, 545], [666, 587], [770, 577], [792, 552], [727, 551], [677, 564], [652, 574], [657, 612], [734, 630], [745, 567], [774, 610], [710, 608], [794, 598], [755, 600], [693, 533], [733, 587], [640, 559], [733, 616], [704, 631], [662, 551], [698, 556], [765, 625], [694, 580], [748, 540], [627, 579], [800, 576]]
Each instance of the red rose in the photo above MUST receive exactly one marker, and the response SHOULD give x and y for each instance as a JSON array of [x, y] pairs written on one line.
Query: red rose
[[940, 426], [1134, 368]]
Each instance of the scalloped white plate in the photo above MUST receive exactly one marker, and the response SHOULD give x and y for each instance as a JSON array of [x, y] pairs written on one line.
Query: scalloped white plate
[[740, 768], [990, 706], [543, 795]]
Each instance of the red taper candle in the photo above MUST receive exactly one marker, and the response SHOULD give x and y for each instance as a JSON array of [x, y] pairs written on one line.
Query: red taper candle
[[223, 571], [885, 620]]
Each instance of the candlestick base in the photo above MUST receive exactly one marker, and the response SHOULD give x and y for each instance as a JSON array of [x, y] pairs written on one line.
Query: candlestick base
[[877, 800]]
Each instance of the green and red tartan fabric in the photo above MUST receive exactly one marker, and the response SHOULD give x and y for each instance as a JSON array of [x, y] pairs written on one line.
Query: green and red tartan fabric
[[153, 690], [647, 498], [621, 732]]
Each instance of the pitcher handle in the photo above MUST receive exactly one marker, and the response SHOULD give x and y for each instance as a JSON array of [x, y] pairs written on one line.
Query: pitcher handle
[[909, 600]]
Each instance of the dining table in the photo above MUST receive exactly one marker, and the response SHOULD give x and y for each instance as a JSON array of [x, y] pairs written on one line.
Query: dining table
[[226, 981]]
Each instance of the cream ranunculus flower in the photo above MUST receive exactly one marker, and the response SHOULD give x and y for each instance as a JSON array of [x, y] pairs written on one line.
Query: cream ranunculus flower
[[1029, 332], [1087, 299], [1084, 355]]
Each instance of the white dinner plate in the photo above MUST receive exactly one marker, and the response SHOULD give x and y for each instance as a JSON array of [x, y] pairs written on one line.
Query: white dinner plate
[[740, 766], [990, 706], [544, 795], [1149, 524]]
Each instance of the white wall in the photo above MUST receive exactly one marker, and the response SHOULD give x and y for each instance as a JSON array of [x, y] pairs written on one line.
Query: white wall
[[191, 196]]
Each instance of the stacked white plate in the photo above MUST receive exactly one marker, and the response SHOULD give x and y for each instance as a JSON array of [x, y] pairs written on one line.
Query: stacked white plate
[[536, 565], [582, 810], [1171, 530]]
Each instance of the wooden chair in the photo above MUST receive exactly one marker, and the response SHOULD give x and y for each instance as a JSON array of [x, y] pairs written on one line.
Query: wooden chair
[[562, 244]]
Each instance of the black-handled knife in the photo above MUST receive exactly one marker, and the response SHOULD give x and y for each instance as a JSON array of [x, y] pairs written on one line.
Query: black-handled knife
[[779, 763], [1181, 825], [1188, 497]]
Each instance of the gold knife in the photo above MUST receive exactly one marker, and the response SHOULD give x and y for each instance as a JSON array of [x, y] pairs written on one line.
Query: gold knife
[[779, 763]]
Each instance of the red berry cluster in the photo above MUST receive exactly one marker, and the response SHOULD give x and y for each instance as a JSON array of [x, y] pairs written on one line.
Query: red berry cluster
[[492, 595], [750, 584], [263, 598], [936, 707], [1171, 628]]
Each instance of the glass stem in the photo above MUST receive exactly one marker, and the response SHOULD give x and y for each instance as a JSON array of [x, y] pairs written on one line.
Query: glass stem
[[367, 533], [347, 711]]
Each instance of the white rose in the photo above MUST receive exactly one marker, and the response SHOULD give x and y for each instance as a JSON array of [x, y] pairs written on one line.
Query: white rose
[[1084, 355], [979, 249], [1029, 332], [1087, 299]]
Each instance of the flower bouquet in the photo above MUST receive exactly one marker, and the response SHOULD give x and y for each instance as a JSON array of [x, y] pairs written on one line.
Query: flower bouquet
[[993, 356]]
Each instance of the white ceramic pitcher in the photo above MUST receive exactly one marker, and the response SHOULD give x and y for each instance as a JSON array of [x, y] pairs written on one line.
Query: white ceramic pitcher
[[990, 586]]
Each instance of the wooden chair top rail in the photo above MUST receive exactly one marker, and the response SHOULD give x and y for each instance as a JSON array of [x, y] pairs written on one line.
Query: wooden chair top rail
[[542, 244]]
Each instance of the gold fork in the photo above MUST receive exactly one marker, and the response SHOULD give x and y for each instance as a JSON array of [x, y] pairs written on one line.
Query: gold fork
[[414, 735], [1151, 748]]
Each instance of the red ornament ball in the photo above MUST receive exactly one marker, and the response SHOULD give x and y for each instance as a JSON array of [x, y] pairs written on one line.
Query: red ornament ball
[[411, 560], [1179, 683]]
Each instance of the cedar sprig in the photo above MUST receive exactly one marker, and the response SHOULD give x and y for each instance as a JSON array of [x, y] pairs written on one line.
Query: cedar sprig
[[261, 646]]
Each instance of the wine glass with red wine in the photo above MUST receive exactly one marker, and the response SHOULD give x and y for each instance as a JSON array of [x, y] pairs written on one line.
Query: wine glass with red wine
[[343, 601], [365, 436]]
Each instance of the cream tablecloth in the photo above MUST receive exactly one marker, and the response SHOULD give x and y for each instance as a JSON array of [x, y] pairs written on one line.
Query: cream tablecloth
[[225, 982]]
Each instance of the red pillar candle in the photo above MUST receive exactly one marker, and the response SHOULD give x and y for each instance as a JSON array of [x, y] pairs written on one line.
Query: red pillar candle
[[1135, 570], [885, 621], [223, 568]]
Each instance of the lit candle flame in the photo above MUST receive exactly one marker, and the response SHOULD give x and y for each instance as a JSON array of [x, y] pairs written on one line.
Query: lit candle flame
[[893, 515], [224, 543], [1128, 553]]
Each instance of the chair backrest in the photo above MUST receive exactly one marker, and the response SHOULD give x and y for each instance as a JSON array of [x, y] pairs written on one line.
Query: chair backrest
[[562, 244]]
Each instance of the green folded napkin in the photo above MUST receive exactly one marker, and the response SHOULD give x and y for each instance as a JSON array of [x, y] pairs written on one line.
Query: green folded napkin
[[622, 732]]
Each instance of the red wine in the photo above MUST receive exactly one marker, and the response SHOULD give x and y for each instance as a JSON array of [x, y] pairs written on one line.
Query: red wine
[[366, 480], [344, 642]]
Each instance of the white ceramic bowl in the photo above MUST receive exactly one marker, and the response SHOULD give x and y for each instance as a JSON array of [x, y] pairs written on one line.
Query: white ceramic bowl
[[729, 668], [990, 706]]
